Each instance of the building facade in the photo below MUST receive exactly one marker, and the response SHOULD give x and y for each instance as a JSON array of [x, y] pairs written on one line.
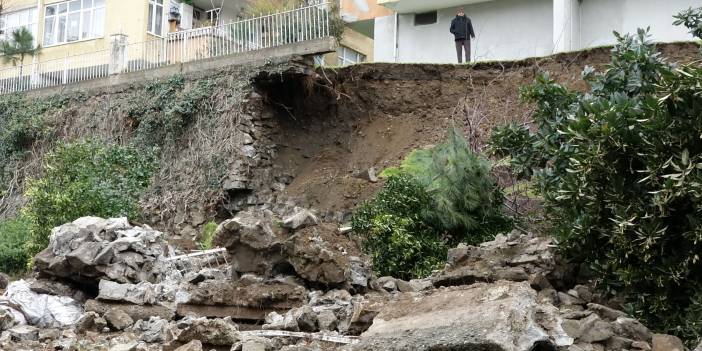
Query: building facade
[[516, 29], [75, 27]]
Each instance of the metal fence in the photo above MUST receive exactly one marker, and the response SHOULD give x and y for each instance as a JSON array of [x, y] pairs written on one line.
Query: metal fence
[[297, 25]]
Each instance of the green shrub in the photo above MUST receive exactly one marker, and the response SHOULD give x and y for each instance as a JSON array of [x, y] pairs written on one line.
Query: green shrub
[[437, 198], [466, 199], [13, 251], [623, 179], [207, 236], [394, 232], [85, 178], [516, 142]]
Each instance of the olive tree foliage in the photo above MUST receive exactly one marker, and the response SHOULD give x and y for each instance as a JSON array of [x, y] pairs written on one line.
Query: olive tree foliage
[[620, 170]]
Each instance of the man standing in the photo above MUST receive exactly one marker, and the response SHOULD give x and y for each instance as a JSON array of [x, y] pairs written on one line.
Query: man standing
[[462, 30]]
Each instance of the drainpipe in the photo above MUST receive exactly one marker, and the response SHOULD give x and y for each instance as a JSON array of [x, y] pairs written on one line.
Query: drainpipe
[[396, 40]]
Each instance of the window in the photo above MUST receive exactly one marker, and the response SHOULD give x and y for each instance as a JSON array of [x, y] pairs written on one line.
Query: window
[[75, 20], [349, 56], [155, 23], [421, 19], [11, 21]]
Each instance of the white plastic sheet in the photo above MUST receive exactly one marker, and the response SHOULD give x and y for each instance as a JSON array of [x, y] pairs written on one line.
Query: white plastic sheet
[[46, 311]]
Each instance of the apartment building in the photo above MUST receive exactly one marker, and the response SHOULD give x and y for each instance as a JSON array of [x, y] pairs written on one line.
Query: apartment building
[[418, 31], [76, 27]]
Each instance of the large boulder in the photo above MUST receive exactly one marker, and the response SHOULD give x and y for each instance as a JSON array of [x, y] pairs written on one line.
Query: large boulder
[[496, 317], [259, 243], [247, 299], [92, 248], [509, 257], [217, 332]]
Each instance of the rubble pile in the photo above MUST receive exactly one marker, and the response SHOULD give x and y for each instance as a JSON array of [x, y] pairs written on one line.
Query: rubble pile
[[290, 283]]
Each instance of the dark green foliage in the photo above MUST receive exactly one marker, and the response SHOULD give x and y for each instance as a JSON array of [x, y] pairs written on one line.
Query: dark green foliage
[[437, 198], [20, 45], [466, 200], [13, 250], [516, 142], [395, 234], [166, 109], [623, 181], [692, 19], [86, 178]]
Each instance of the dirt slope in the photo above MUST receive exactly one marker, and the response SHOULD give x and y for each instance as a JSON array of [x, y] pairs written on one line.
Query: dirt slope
[[372, 115]]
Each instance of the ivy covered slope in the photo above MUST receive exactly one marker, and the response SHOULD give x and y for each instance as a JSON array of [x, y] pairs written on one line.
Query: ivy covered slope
[[620, 169], [151, 152]]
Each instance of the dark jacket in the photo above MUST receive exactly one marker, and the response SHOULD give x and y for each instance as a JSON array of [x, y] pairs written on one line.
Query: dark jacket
[[462, 28]]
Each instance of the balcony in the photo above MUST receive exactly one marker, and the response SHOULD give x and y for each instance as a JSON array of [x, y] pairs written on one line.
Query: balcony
[[418, 6]]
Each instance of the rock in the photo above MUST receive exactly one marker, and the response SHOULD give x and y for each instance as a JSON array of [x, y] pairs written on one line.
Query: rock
[[300, 219], [24, 333], [605, 312], [118, 319], [130, 346], [421, 284], [307, 320], [632, 329], [218, 332], [641, 346], [205, 274], [56, 288], [257, 344], [91, 248], [618, 343], [135, 312], [387, 283], [327, 320], [245, 299], [568, 299], [583, 293], [664, 342], [49, 334], [7, 320], [319, 254], [143, 293], [368, 175], [527, 256], [595, 330], [90, 321], [154, 330], [572, 327], [4, 280], [539, 282], [194, 345], [473, 317]]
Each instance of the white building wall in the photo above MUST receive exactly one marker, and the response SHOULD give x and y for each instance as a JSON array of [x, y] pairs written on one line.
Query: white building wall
[[599, 18], [505, 29], [515, 29], [383, 40]]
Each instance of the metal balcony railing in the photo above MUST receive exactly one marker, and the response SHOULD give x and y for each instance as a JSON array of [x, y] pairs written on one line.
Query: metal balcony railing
[[292, 26]]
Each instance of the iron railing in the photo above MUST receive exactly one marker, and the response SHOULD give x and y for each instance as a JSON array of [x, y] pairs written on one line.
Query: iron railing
[[292, 26]]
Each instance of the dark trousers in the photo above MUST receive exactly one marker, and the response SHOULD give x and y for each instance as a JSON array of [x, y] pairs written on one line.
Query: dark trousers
[[460, 45]]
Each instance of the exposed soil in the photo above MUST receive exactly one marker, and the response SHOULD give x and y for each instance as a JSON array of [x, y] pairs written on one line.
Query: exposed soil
[[338, 122]]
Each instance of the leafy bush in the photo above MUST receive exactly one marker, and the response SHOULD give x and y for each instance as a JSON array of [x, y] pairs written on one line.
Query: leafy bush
[[516, 142], [437, 198], [395, 233], [623, 179], [207, 236], [13, 251], [466, 200], [85, 178]]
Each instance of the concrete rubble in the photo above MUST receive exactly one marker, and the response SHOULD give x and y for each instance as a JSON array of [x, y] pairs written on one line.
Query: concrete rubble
[[292, 282]]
